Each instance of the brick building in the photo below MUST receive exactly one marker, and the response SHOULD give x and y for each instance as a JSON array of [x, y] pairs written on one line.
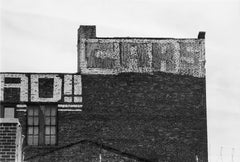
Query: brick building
[[132, 99]]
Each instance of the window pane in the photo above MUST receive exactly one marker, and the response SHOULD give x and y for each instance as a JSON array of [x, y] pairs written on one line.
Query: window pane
[[30, 130], [35, 112], [47, 111], [36, 130], [36, 120], [47, 120], [50, 120], [53, 111], [30, 111], [53, 120], [53, 130], [47, 140], [30, 140], [35, 140], [47, 130], [30, 120], [53, 140]]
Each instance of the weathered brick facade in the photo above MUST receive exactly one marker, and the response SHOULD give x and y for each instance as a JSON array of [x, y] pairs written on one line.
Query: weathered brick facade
[[133, 99]]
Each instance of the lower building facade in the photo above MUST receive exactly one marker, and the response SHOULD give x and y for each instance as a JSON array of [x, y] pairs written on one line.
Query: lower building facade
[[130, 116]]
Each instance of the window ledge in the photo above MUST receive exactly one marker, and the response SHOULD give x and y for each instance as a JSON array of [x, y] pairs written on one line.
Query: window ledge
[[41, 147], [9, 120]]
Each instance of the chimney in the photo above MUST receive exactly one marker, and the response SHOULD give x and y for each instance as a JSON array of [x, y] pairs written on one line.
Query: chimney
[[201, 35], [86, 31]]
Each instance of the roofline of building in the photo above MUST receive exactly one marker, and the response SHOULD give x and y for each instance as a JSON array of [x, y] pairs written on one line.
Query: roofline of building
[[150, 38], [89, 31], [40, 73]]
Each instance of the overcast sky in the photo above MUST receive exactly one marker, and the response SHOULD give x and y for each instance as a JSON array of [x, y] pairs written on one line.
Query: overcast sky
[[41, 36]]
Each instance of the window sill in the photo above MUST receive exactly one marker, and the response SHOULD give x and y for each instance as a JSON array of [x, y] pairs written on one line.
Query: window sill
[[41, 147]]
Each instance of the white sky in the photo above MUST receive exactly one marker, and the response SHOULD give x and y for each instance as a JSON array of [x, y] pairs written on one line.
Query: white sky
[[41, 36]]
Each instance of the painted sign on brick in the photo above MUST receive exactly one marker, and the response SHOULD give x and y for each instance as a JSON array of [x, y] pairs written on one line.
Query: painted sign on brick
[[21, 88], [165, 57], [135, 57], [102, 55], [113, 56]]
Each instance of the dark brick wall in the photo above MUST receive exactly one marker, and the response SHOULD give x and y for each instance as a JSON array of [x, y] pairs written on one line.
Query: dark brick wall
[[12, 80], [83, 153], [46, 87], [7, 141], [160, 117], [11, 94]]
